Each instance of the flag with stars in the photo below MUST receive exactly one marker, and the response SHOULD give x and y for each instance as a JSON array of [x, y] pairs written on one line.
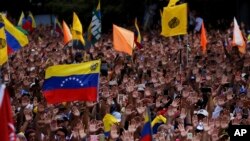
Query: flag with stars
[[74, 82]]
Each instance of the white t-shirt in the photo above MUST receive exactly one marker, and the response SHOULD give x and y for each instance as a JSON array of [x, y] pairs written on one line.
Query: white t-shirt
[[198, 24]]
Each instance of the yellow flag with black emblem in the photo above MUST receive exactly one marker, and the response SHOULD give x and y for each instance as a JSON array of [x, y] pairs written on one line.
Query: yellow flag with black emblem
[[3, 43], [174, 20]]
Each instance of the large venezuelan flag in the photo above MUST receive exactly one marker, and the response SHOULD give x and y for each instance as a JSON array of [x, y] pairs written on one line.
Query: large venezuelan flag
[[75, 82], [15, 38], [146, 133]]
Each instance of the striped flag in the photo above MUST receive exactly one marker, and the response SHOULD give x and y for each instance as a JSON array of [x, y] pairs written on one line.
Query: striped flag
[[95, 27], [146, 133]]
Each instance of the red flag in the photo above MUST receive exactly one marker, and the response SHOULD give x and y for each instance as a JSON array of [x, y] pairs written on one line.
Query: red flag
[[203, 39], [7, 130]]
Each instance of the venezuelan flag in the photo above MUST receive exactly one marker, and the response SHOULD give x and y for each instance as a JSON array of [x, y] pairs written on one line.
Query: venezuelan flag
[[15, 38], [75, 82], [146, 133]]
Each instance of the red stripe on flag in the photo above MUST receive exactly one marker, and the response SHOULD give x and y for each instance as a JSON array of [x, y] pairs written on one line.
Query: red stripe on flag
[[66, 95], [146, 138]]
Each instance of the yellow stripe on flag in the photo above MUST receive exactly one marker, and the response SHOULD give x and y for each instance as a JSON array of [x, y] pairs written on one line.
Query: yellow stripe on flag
[[3, 47], [74, 69]]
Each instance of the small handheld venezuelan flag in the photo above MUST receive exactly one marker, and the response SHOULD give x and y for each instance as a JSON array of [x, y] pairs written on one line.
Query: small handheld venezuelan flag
[[146, 133], [75, 82]]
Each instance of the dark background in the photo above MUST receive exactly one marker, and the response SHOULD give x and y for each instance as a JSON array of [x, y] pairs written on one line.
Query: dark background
[[123, 12]]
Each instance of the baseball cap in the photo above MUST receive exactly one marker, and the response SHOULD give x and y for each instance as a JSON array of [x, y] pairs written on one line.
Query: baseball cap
[[117, 115], [202, 112]]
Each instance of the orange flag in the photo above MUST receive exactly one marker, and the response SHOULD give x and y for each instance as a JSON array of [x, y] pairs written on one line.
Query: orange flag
[[66, 33], [203, 39], [238, 39], [123, 39]]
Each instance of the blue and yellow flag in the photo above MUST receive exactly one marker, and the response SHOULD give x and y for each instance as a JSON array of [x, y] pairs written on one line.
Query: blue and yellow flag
[[3, 43], [77, 31], [74, 82], [174, 20], [95, 27], [15, 38]]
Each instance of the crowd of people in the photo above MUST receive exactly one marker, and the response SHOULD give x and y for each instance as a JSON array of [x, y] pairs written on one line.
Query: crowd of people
[[189, 95]]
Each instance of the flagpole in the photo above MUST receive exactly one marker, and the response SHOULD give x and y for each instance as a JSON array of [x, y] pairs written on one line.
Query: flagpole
[[1, 75], [187, 47], [8, 68], [179, 39]]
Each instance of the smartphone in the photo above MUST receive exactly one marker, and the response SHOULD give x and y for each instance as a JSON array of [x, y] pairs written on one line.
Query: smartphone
[[101, 137], [190, 136], [120, 98]]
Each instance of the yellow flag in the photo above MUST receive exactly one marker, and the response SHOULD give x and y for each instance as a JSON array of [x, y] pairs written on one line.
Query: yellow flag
[[172, 2], [174, 20], [109, 120], [33, 20], [77, 29], [20, 22], [3, 46]]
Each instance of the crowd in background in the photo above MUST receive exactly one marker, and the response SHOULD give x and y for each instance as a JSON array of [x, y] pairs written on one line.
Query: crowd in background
[[190, 96]]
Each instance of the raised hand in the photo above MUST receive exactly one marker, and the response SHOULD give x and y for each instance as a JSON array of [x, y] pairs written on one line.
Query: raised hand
[[182, 130], [113, 132], [195, 120], [183, 113], [94, 126], [127, 136], [129, 109], [197, 137], [81, 131], [158, 102], [28, 116], [132, 126], [206, 124], [185, 94], [236, 121], [224, 122], [90, 104], [175, 102], [165, 100], [171, 111]]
